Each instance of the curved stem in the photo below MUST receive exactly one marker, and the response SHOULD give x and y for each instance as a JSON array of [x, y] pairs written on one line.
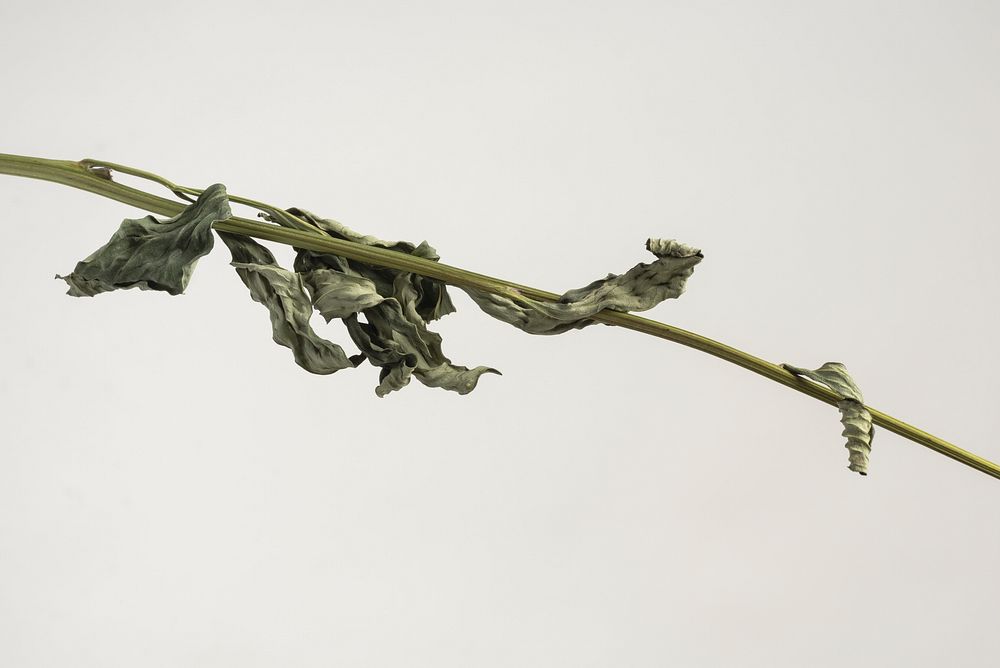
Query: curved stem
[[91, 175], [183, 191]]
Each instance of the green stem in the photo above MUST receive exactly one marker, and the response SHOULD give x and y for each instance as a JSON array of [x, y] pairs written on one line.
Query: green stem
[[91, 175], [281, 215]]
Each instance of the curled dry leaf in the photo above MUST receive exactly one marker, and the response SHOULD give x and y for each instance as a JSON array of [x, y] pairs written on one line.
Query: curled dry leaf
[[284, 295], [396, 339], [639, 289], [152, 254], [854, 416], [337, 294], [432, 297], [397, 305]]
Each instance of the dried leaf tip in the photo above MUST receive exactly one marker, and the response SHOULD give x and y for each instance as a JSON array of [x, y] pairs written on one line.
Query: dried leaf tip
[[671, 248], [639, 289], [854, 416]]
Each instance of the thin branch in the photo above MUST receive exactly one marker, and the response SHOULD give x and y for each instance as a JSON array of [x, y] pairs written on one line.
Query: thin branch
[[91, 175]]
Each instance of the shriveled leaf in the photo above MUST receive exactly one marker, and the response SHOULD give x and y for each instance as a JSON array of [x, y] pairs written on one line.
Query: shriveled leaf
[[834, 375], [376, 342], [152, 254], [284, 295], [854, 416], [336, 294], [433, 368], [340, 231], [639, 289], [396, 339], [397, 306], [432, 299], [452, 377], [402, 354]]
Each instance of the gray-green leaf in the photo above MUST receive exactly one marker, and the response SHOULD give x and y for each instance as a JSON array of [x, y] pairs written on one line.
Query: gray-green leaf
[[397, 306], [854, 416], [337, 294], [639, 289], [284, 295], [152, 254], [396, 339], [432, 300]]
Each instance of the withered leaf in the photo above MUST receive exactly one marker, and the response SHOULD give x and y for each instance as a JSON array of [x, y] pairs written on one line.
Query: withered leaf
[[397, 306], [639, 289], [337, 294], [854, 416], [152, 254], [284, 295], [432, 299], [396, 339]]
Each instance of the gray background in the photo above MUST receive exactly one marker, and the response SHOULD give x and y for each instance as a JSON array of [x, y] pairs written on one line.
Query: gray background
[[174, 491]]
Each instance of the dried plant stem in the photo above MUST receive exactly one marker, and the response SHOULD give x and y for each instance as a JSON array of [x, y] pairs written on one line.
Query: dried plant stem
[[91, 175]]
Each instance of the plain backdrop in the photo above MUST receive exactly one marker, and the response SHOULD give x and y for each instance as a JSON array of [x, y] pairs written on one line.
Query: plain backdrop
[[175, 491]]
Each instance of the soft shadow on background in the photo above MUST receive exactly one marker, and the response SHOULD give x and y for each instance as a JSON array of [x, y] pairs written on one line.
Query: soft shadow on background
[[175, 491]]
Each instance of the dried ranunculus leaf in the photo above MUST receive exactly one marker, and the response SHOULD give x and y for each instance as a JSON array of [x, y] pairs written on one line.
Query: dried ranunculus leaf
[[397, 306], [433, 368], [336, 294], [285, 297], [398, 341], [152, 254], [854, 416], [379, 349], [452, 377], [432, 300], [341, 231], [639, 289]]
